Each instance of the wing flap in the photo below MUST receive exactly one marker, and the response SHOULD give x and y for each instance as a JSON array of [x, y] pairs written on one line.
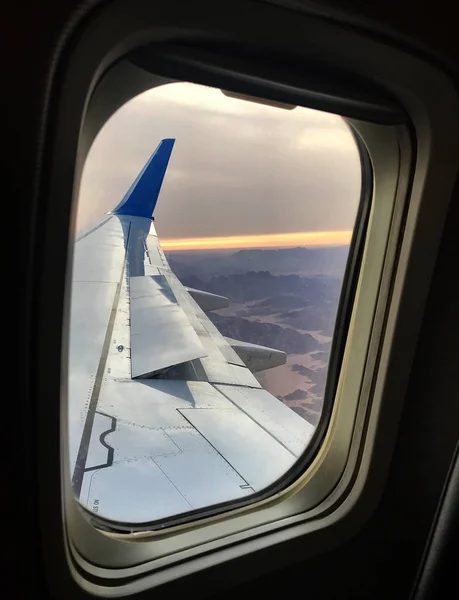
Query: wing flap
[[223, 372], [161, 334], [215, 344], [288, 428], [207, 301], [256, 357], [249, 449]]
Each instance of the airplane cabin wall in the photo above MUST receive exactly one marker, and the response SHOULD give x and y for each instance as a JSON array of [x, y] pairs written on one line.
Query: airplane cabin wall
[[382, 559]]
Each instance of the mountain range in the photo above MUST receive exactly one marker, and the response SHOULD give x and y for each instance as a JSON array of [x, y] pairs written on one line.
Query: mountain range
[[302, 303], [282, 298], [329, 260]]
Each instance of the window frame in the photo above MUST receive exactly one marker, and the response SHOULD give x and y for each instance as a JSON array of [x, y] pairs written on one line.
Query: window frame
[[181, 522], [404, 277], [310, 494]]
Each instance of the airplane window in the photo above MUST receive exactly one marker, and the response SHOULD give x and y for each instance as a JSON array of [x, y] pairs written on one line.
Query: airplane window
[[213, 236]]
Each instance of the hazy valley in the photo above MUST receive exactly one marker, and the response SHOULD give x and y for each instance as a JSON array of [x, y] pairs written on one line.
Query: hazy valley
[[283, 298]]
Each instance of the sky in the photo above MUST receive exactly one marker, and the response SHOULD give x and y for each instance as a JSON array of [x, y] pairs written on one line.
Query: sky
[[241, 174]]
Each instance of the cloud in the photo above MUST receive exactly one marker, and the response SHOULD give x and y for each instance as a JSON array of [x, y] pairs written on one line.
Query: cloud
[[237, 168], [279, 240]]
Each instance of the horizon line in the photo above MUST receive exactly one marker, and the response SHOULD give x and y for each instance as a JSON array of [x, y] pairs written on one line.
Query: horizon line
[[264, 240]]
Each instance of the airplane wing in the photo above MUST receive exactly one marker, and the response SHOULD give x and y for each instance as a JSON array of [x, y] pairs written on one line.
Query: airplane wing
[[165, 414]]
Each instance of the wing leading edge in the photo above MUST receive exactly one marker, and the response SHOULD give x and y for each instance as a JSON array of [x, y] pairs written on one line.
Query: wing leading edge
[[165, 414]]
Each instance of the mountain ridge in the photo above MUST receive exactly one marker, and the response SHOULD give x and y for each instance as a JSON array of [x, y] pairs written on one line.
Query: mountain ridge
[[329, 260]]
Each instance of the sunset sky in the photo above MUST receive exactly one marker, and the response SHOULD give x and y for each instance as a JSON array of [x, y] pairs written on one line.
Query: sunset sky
[[241, 174]]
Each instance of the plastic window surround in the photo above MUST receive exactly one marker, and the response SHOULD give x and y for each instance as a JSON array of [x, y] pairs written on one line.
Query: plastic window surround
[[311, 491], [376, 338], [344, 311]]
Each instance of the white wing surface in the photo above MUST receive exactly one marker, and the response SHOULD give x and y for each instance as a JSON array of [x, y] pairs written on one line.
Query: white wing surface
[[165, 415]]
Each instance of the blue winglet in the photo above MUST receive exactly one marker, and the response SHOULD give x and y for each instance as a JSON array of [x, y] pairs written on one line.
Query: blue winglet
[[141, 198]]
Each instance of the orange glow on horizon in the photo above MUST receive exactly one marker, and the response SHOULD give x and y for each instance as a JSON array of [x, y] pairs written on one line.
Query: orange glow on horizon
[[268, 240]]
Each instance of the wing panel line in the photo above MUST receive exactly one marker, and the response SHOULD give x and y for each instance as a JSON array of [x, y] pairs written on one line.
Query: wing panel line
[[98, 226], [182, 411], [169, 479], [256, 422], [80, 464]]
